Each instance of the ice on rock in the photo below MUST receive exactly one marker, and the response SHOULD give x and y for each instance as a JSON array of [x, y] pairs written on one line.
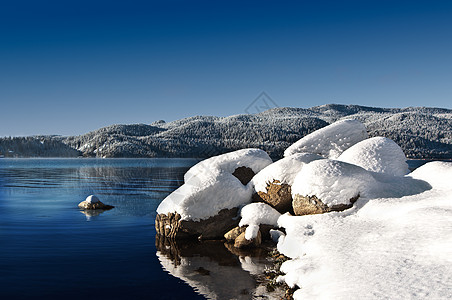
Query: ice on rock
[[283, 170], [210, 186], [330, 141], [377, 154]]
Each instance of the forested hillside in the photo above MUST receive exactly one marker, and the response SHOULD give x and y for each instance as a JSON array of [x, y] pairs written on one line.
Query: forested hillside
[[421, 132]]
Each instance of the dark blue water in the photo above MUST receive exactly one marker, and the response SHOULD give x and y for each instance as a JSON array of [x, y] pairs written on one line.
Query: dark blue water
[[50, 249]]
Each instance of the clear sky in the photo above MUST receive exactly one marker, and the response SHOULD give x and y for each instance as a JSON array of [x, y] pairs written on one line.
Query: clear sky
[[68, 67]]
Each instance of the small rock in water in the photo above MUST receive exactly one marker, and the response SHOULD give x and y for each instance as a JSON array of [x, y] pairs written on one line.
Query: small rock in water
[[92, 199], [92, 202]]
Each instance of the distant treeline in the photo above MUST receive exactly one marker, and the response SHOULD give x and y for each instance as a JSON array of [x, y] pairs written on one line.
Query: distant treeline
[[421, 132]]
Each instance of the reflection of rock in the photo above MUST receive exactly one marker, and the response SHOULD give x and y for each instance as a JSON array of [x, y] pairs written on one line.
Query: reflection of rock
[[92, 202], [210, 268], [278, 196], [90, 213], [309, 205], [171, 225]]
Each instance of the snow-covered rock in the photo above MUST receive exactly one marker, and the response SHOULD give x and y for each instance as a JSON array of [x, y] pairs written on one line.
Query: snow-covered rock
[[210, 186], [330, 141], [333, 182], [377, 154], [93, 202], [283, 170], [259, 213], [395, 247], [254, 159]]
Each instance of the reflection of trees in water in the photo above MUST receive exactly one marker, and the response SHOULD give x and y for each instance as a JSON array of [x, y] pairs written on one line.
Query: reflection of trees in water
[[134, 179], [214, 269]]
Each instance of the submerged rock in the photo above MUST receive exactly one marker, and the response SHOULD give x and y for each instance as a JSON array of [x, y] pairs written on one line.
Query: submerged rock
[[92, 202], [170, 225]]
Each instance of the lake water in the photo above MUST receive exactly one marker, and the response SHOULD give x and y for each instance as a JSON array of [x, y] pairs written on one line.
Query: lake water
[[50, 249]]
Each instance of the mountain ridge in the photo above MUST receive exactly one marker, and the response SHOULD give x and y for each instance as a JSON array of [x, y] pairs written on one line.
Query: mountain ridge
[[422, 132]]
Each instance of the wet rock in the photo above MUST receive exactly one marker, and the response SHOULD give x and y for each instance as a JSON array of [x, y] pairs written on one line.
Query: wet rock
[[242, 242], [170, 225], [92, 202], [310, 205], [244, 174], [232, 234], [278, 196]]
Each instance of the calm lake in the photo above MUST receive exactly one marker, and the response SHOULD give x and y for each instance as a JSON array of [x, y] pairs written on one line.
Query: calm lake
[[50, 249]]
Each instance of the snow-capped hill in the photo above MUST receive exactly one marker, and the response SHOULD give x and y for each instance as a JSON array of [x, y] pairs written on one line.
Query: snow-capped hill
[[422, 132]]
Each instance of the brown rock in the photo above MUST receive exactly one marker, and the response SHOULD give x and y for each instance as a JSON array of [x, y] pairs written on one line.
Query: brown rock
[[232, 234], [241, 241], [310, 205], [170, 225], [244, 174], [278, 196], [96, 205]]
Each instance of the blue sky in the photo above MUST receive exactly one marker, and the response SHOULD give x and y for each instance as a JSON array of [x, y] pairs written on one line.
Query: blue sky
[[68, 67]]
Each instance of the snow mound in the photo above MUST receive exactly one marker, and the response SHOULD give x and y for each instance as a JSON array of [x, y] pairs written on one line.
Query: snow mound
[[283, 170], [390, 248], [259, 213], [377, 154], [333, 182], [92, 199], [437, 173], [330, 141], [255, 159], [210, 186]]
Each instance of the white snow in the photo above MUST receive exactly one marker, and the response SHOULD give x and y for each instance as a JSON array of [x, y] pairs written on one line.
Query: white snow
[[283, 170], [377, 154], [210, 186], [398, 247], [251, 232], [259, 213], [335, 182], [255, 159], [330, 141], [92, 199]]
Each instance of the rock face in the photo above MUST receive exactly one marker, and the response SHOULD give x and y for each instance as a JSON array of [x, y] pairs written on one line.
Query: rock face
[[170, 225], [244, 174], [310, 205], [278, 196], [92, 202]]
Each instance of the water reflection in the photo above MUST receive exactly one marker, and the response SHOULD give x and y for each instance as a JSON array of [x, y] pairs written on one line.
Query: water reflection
[[215, 269], [90, 213]]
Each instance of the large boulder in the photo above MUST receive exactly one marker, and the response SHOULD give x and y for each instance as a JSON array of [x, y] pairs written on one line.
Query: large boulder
[[329, 185], [330, 141], [206, 204]]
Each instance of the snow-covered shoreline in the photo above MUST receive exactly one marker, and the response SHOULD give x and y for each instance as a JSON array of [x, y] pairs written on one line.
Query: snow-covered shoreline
[[364, 226]]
